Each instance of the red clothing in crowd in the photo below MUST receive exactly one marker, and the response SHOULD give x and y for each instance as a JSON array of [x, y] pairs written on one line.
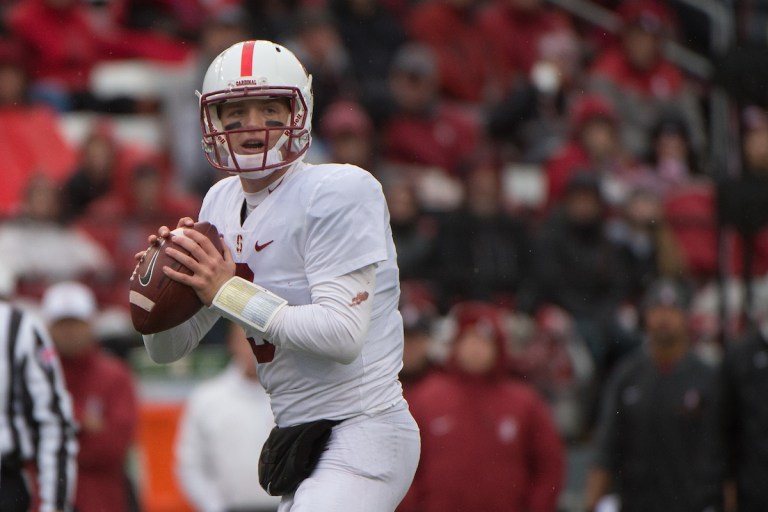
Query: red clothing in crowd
[[105, 406], [461, 47], [644, 90], [663, 81], [617, 166], [488, 441], [445, 139], [63, 45], [22, 128], [515, 34], [485, 447]]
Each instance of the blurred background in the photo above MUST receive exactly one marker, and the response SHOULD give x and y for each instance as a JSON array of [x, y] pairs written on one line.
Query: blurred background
[[551, 158]]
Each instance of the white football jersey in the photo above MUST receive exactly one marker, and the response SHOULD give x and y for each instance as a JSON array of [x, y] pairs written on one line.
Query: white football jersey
[[319, 222]]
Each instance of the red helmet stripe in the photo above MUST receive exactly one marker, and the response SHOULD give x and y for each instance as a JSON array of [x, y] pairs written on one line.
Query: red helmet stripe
[[246, 62]]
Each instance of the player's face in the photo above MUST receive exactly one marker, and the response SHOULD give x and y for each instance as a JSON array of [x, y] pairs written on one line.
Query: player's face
[[257, 114]]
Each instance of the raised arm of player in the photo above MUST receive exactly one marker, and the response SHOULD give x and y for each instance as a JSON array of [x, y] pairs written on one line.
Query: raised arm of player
[[335, 325]]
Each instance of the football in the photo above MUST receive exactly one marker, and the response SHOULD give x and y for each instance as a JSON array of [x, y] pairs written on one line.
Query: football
[[157, 301]]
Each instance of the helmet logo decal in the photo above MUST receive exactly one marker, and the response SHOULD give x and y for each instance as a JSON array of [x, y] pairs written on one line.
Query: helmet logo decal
[[246, 60], [262, 80], [256, 71]]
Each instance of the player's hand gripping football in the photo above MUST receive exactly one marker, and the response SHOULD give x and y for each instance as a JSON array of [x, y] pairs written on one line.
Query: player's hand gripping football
[[210, 269]]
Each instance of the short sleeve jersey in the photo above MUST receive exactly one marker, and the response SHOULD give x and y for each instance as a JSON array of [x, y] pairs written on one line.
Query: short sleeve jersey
[[317, 223]]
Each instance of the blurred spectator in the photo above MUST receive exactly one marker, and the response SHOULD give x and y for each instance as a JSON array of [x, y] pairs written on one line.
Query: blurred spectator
[[482, 252], [38, 445], [530, 123], [691, 214], [462, 48], [316, 41], [578, 268], [371, 35], [488, 441], [751, 20], [270, 19], [672, 158], [646, 241], [120, 220], [38, 249], [640, 82], [177, 19], [550, 355], [223, 26], [659, 438], [742, 201], [516, 29], [413, 230], [14, 76], [226, 420], [348, 134], [22, 127], [746, 383], [65, 44], [104, 398], [94, 176], [419, 315], [594, 146], [423, 130]]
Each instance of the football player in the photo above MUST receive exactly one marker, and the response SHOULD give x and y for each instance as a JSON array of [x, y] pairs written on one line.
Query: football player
[[309, 270]]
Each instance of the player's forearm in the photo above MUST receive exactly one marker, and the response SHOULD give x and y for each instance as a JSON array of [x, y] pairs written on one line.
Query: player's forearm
[[335, 325], [173, 344]]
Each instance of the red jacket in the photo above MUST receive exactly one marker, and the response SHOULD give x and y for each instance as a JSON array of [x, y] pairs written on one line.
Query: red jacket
[[488, 443], [461, 48], [104, 395], [486, 446]]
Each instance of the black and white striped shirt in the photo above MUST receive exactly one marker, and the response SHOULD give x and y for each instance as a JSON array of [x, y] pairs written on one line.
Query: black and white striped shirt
[[36, 421]]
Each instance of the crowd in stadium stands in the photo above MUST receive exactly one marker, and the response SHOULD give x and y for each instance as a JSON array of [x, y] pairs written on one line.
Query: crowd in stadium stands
[[542, 172]]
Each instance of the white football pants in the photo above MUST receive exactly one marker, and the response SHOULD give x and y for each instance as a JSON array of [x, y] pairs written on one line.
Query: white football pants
[[368, 466]]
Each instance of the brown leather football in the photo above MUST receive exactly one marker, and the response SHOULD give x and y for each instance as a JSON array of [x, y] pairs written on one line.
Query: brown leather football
[[157, 301]]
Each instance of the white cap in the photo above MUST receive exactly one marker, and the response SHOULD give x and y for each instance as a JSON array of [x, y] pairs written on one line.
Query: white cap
[[68, 300]]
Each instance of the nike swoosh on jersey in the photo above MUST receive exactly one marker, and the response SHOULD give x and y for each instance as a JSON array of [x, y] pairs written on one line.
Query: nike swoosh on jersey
[[260, 247], [146, 277]]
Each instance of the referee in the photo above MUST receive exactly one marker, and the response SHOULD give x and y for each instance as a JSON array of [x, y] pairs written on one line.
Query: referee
[[36, 424]]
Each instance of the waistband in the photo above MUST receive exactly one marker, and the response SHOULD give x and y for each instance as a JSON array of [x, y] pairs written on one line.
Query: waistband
[[399, 405]]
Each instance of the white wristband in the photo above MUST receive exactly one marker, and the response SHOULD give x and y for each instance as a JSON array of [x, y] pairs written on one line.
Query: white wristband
[[248, 303]]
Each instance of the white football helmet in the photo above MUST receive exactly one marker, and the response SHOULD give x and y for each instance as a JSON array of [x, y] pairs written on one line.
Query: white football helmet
[[256, 70]]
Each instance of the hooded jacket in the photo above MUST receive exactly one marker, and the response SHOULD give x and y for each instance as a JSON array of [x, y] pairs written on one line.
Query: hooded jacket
[[488, 441]]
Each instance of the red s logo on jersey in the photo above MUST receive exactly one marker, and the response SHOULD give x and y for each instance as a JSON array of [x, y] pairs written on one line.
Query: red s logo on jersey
[[239, 244]]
